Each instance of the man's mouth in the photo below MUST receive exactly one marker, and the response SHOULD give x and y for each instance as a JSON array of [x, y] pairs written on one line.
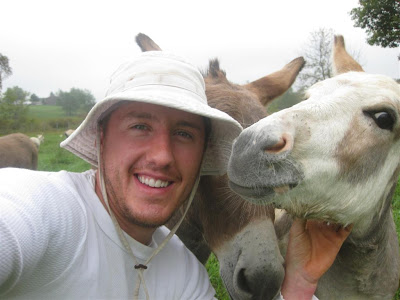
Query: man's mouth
[[152, 182]]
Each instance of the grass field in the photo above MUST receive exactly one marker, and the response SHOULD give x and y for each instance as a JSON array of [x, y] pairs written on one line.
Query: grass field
[[45, 118], [396, 215], [53, 158], [45, 112]]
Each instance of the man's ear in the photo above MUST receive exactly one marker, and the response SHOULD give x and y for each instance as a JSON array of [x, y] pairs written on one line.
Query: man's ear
[[101, 135], [101, 129]]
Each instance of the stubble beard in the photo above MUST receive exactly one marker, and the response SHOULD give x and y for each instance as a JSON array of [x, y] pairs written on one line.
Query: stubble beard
[[126, 212]]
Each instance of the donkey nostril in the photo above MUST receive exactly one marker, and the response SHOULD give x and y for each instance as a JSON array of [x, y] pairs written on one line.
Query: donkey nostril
[[242, 281], [278, 147]]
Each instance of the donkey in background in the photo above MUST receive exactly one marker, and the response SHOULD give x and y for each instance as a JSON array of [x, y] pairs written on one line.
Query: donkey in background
[[333, 157], [17, 150]]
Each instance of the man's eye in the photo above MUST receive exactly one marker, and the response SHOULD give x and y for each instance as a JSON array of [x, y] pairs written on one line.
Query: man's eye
[[139, 126], [184, 134]]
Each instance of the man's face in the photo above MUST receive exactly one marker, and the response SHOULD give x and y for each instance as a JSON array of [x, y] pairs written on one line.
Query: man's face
[[151, 158]]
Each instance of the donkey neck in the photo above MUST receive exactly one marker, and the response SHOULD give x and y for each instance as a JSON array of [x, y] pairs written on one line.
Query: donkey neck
[[377, 232], [371, 260]]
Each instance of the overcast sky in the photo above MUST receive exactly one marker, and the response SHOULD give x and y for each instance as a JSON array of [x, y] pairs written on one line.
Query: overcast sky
[[55, 45]]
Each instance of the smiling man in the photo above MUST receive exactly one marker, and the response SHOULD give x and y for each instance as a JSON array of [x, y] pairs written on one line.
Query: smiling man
[[99, 234], [152, 157]]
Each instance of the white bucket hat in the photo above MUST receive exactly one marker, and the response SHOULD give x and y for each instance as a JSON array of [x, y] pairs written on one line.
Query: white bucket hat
[[165, 79]]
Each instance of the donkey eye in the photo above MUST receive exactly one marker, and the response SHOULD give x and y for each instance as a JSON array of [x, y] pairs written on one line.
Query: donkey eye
[[383, 119]]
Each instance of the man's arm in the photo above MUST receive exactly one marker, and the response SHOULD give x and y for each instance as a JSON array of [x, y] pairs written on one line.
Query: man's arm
[[10, 258], [36, 222]]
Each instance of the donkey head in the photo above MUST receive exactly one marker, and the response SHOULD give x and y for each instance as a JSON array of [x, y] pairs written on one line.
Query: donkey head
[[333, 156]]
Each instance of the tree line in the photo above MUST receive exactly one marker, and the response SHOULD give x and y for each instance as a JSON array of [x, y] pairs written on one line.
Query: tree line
[[15, 102]]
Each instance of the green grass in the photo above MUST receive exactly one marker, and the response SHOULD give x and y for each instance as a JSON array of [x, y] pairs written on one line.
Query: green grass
[[45, 112], [396, 207], [53, 158], [212, 267], [51, 112], [50, 117], [396, 215]]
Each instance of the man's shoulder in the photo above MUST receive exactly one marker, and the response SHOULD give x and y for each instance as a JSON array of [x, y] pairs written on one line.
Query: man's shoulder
[[23, 182], [40, 191], [162, 232], [40, 180], [174, 245], [10, 174]]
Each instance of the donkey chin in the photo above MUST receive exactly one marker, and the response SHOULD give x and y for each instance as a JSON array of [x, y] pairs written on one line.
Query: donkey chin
[[294, 195], [265, 184]]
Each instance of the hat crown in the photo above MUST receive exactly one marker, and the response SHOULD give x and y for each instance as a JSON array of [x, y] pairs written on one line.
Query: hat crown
[[158, 68], [164, 79]]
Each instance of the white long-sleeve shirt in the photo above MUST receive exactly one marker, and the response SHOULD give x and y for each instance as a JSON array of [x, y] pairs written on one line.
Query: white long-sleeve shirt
[[58, 242]]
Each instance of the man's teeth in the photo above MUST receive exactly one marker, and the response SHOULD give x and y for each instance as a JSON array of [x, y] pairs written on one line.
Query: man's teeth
[[152, 182]]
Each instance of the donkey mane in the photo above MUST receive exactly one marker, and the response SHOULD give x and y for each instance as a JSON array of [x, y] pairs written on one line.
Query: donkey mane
[[228, 97], [214, 71]]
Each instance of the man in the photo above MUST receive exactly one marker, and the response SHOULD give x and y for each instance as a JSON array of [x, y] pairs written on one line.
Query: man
[[99, 234]]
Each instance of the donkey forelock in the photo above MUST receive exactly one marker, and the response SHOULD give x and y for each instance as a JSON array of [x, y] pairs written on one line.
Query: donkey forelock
[[236, 100]]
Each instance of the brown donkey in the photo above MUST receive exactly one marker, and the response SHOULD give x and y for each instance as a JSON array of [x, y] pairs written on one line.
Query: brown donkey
[[240, 234], [18, 151]]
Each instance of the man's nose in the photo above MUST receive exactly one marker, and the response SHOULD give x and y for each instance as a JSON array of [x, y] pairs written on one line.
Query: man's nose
[[161, 152]]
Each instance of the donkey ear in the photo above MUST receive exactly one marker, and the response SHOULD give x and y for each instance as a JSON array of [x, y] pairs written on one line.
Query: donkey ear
[[271, 86], [342, 61], [214, 72], [146, 44]]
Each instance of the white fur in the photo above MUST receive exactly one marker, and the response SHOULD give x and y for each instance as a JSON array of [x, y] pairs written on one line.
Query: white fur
[[68, 132], [37, 140], [317, 126], [348, 167]]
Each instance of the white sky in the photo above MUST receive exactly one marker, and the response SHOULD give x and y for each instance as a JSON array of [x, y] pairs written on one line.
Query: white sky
[[61, 44]]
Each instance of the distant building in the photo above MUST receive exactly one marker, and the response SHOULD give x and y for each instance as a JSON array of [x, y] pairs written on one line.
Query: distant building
[[51, 100]]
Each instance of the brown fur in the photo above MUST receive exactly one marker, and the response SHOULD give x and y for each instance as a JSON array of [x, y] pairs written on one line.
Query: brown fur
[[343, 62], [218, 215], [146, 44], [277, 82], [218, 207], [18, 151], [360, 154]]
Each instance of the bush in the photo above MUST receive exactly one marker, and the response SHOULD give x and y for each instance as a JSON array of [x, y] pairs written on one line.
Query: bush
[[63, 123]]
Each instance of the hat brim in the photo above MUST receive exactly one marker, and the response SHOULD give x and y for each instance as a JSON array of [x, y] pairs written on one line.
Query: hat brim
[[224, 128]]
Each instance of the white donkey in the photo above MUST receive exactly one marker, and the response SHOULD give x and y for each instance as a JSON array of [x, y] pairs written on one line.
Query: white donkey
[[334, 157]]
